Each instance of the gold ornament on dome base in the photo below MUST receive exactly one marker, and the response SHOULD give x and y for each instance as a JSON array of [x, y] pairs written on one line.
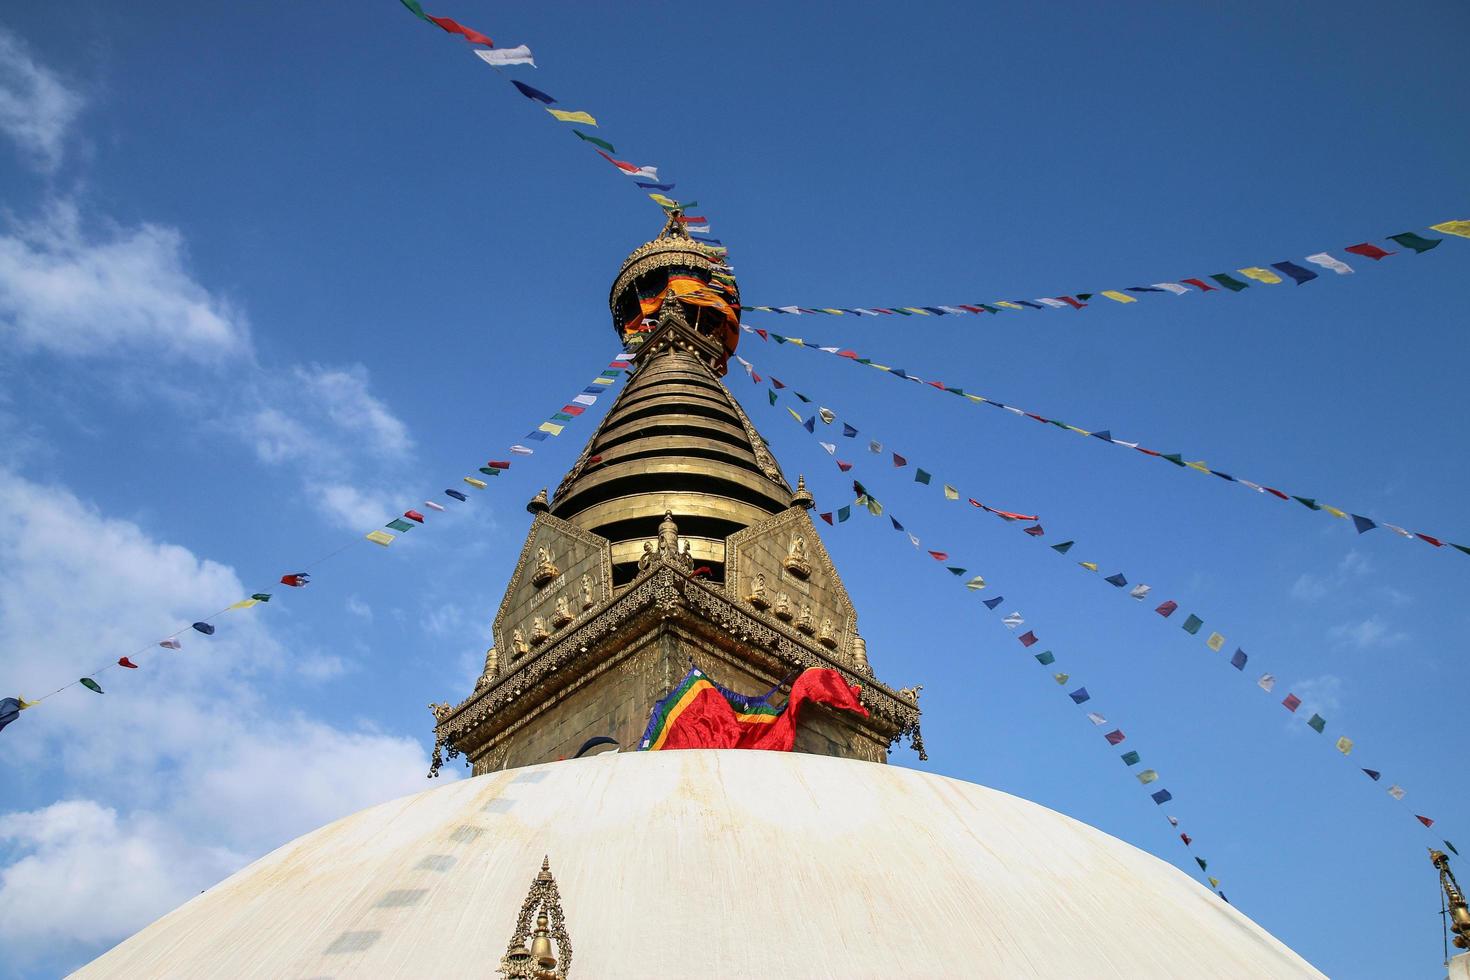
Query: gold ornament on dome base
[[546, 570], [757, 597], [795, 561], [549, 953]]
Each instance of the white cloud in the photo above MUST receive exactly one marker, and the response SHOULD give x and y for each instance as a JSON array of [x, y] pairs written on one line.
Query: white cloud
[[359, 608], [1320, 695], [1365, 634], [66, 291], [85, 871], [342, 394], [36, 106]]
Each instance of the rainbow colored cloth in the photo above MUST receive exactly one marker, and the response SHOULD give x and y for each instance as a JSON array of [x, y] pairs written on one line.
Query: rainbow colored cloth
[[700, 714]]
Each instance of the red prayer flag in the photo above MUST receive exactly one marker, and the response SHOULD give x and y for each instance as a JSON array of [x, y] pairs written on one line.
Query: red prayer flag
[[573, 409], [1201, 284], [1027, 638], [1115, 736], [939, 555], [469, 33], [1167, 608], [296, 580], [1291, 702], [1071, 302], [690, 219], [1277, 493], [595, 459], [622, 165], [1035, 531], [826, 517], [1187, 839], [935, 384], [848, 353], [1149, 452], [1369, 250], [1434, 541], [125, 662], [1424, 820], [899, 460], [843, 465], [501, 464], [762, 334], [414, 515]]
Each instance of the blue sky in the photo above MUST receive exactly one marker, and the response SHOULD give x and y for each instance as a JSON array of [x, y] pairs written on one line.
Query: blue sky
[[267, 279]]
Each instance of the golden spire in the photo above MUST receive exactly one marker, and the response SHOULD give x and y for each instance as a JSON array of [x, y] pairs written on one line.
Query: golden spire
[[1455, 905], [802, 497], [539, 503]]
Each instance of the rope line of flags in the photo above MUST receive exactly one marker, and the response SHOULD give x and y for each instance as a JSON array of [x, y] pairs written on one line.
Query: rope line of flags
[[1191, 623], [1360, 523], [1232, 282], [11, 707], [645, 177]]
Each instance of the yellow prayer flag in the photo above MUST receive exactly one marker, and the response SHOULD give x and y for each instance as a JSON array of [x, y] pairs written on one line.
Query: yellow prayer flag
[[577, 117], [1009, 305], [663, 201], [477, 484], [1089, 565], [796, 340], [881, 367], [551, 427], [380, 537], [1334, 511], [1260, 275], [950, 493], [793, 413], [1198, 464], [1461, 228], [244, 604], [1147, 776], [834, 312], [1061, 678], [1080, 432], [602, 381], [1215, 642], [24, 704], [975, 584], [914, 309], [1214, 882], [1118, 297], [975, 398], [1344, 745]]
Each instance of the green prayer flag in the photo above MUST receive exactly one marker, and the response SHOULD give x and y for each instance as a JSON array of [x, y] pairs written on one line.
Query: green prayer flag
[[1045, 657], [399, 524], [801, 396], [1230, 283], [418, 11], [1063, 548], [921, 476], [1317, 723], [955, 571], [1417, 242], [1460, 547], [843, 513], [1130, 758], [1452, 848], [595, 141], [1203, 864], [489, 471], [1193, 623], [91, 685], [262, 597], [1174, 458], [777, 337], [562, 417], [1307, 502], [772, 396], [956, 391]]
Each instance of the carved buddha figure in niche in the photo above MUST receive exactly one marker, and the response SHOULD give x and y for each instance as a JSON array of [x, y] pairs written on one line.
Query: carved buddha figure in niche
[[804, 618], [539, 632], [587, 596], [783, 606], [757, 597], [795, 561], [546, 570]]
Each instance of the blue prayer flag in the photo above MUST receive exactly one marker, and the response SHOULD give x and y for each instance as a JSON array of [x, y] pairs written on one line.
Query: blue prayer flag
[[533, 93], [992, 603], [1238, 660], [1295, 271], [1162, 796], [1080, 695]]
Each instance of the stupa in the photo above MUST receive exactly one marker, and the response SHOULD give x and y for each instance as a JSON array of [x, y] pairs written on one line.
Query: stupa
[[675, 541]]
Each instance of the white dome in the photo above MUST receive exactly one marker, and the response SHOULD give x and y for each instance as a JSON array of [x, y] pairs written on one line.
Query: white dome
[[720, 864]]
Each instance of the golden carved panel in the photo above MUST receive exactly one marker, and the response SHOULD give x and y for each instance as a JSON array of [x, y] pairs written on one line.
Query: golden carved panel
[[540, 612]]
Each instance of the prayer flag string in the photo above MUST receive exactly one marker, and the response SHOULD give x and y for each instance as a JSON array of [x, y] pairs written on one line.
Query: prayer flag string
[[1117, 581], [1270, 276], [411, 518], [1360, 523]]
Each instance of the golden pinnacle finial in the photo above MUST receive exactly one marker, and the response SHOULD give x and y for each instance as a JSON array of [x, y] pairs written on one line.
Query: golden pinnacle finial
[[539, 503], [545, 874], [1455, 904], [802, 497]]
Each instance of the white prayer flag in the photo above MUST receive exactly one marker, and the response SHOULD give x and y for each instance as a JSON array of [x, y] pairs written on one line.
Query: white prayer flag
[[1013, 620], [831, 449], [876, 447], [790, 309], [433, 506], [1139, 591], [1172, 287], [1267, 682], [170, 644], [518, 55], [520, 450], [1049, 302], [1396, 791], [913, 540], [585, 399], [1096, 718], [1328, 262]]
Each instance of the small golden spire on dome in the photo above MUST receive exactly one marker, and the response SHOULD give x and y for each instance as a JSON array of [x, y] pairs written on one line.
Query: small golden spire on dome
[[1455, 905], [539, 503], [802, 497]]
